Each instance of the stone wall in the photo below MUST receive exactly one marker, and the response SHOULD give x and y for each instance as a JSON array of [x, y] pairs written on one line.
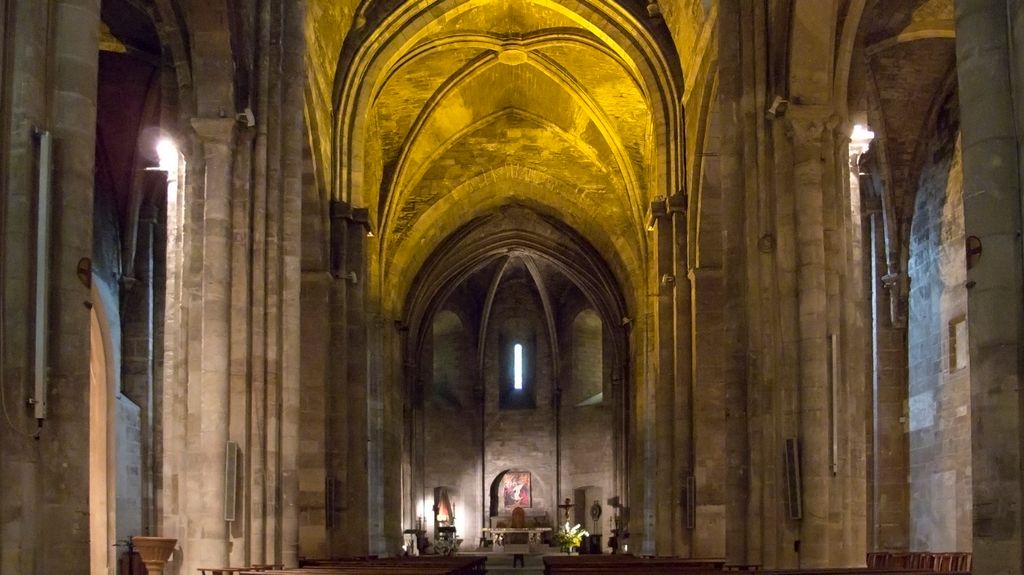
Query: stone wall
[[451, 426], [587, 417], [521, 439], [939, 372], [887, 428]]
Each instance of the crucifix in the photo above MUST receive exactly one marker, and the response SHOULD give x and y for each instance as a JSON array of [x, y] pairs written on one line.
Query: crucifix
[[565, 507]]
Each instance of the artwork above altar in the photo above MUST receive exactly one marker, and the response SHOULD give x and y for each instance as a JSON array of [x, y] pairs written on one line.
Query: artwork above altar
[[515, 490], [512, 494]]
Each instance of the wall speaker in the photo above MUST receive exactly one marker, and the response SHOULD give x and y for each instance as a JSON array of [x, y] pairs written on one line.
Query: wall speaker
[[794, 502], [230, 479]]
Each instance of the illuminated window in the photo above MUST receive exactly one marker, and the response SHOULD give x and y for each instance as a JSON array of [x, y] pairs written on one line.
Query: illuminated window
[[516, 386], [517, 367]]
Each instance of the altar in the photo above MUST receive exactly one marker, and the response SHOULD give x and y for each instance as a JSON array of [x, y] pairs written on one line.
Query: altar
[[498, 533]]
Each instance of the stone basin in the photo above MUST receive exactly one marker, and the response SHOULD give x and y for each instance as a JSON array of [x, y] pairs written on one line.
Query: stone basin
[[155, 551]]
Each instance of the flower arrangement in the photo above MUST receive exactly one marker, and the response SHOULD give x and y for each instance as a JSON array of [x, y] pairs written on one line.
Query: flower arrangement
[[569, 538]]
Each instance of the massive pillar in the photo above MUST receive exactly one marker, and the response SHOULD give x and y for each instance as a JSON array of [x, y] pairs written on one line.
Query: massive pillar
[[62, 452], [335, 444], [992, 213], [809, 127], [346, 426], [683, 463], [208, 399], [293, 134], [666, 494], [48, 78]]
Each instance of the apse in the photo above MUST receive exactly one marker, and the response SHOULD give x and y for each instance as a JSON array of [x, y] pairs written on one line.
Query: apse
[[518, 375]]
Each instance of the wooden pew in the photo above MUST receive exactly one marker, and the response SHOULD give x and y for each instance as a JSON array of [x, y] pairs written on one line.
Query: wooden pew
[[959, 562], [630, 565], [430, 565], [554, 564]]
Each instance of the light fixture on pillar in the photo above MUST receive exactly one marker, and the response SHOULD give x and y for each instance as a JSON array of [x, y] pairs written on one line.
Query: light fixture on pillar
[[777, 108], [860, 139], [246, 117], [167, 152]]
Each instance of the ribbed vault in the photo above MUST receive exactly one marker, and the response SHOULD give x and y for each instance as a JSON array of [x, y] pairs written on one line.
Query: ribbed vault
[[490, 245], [448, 110]]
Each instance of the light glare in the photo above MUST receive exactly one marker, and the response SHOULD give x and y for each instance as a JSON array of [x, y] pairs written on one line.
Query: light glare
[[168, 154]]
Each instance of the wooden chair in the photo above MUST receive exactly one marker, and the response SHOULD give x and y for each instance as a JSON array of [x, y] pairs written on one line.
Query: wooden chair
[[518, 543]]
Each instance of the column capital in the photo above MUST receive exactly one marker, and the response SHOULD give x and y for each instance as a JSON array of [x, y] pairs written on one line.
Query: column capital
[[341, 210], [806, 123], [214, 130], [657, 210], [677, 203]]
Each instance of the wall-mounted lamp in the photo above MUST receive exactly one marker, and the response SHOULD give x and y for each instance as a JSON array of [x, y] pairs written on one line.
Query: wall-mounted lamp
[[246, 117], [777, 108], [167, 152]]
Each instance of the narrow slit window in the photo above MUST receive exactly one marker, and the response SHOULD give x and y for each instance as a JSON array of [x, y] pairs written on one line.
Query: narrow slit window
[[517, 366]]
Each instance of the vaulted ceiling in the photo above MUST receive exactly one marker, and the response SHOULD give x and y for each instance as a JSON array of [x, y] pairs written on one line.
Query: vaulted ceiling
[[509, 103], [445, 111], [908, 66]]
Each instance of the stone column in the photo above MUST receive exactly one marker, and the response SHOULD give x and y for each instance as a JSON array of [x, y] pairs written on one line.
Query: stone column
[[347, 455], [355, 518], [854, 358], [666, 497], [808, 127], [741, 190], [336, 443], [208, 397], [63, 443], [138, 307], [682, 468], [241, 333], [992, 212], [258, 326], [293, 132]]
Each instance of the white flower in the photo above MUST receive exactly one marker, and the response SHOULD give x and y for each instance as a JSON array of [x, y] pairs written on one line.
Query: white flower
[[570, 536]]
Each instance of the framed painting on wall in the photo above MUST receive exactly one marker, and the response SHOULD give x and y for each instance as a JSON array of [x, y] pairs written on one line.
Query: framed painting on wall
[[515, 489]]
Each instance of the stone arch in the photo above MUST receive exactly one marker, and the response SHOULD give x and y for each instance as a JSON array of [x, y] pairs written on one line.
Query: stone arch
[[495, 506], [481, 242], [478, 198], [372, 50]]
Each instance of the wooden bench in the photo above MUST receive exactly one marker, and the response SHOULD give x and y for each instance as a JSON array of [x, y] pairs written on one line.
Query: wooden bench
[[956, 561], [621, 564], [429, 565], [630, 565]]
